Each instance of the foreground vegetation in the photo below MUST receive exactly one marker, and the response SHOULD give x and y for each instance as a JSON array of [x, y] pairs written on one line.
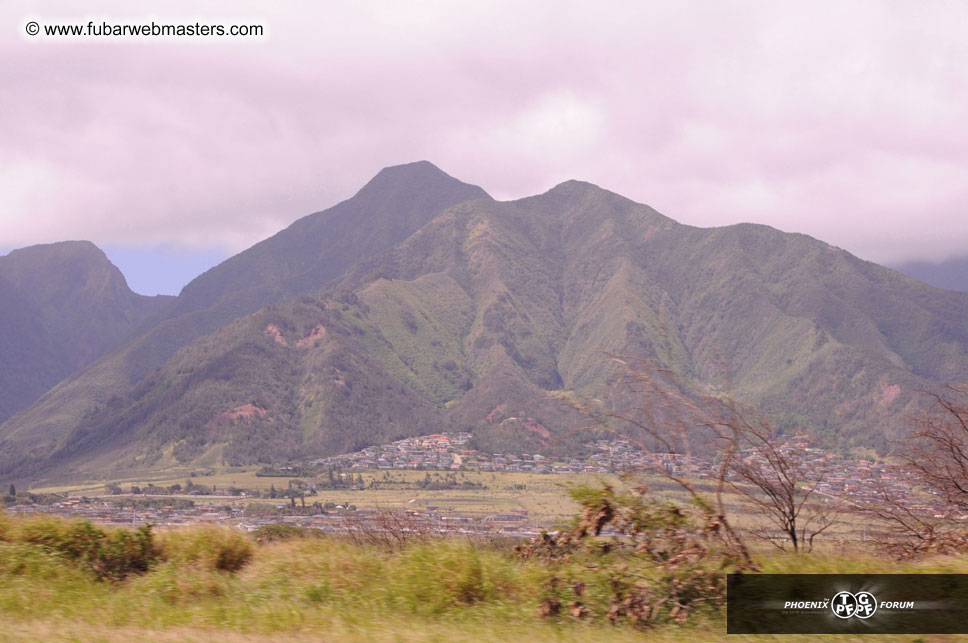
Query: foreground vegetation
[[68, 580], [203, 579]]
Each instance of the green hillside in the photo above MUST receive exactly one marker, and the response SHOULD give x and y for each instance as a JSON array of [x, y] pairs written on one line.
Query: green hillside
[[490, 311]]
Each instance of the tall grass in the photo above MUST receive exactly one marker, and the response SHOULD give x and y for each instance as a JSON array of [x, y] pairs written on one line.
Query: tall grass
[[207, 547], [211, 577], [217, 584]]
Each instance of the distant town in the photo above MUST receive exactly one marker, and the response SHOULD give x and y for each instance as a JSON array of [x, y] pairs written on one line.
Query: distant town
[[854, 481], [857, 480]]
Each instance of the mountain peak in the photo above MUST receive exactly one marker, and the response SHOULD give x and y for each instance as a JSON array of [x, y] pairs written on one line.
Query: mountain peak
[[573, 186], [576, 191], [60, 249], [419, 176], [415, 167], [64, 260]]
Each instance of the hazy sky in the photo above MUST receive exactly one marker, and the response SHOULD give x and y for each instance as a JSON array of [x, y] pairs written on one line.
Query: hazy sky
[[843, 120]]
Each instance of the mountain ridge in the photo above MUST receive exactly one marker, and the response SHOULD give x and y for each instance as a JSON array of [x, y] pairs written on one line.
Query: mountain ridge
[[489, 311]]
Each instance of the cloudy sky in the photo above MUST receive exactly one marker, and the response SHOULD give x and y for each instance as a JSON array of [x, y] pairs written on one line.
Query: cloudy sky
[[843, 120]]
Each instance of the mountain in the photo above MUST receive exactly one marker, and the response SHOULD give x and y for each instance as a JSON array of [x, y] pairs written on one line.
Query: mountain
[[64, 305], [489, 313], [950, 274], [302, 258]]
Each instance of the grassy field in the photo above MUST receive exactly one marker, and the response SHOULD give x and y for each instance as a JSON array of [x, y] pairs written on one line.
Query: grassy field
[[310, 589], [303, 589], [544, 496]]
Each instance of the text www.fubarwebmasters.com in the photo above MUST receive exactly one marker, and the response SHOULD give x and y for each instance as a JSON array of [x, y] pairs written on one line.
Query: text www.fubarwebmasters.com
[[100, 29]]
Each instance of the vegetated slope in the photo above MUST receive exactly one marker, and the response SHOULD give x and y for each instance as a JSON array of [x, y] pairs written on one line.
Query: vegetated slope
[[302, 258], [950, 274], [491, 310], [275, 383], [811, 334], [818, 338], [64, 305]]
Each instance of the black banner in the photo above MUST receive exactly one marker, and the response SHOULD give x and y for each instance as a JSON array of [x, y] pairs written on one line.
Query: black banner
[[847, 604]]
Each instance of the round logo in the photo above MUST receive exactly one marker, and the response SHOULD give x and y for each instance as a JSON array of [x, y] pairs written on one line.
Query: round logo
[[860, 605]]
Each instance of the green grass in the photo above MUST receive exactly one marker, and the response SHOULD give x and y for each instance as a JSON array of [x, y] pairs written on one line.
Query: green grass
[[430, 591], [325, 588], [299, 586]]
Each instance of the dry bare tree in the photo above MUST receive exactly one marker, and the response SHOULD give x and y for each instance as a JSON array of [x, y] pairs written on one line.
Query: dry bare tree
[[927, 516], [776, 478], [751, 461], [937, 450], [387, 529], [902, 529]]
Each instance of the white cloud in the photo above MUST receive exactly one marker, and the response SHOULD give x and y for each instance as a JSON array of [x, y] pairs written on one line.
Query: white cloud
[[845, 122]]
